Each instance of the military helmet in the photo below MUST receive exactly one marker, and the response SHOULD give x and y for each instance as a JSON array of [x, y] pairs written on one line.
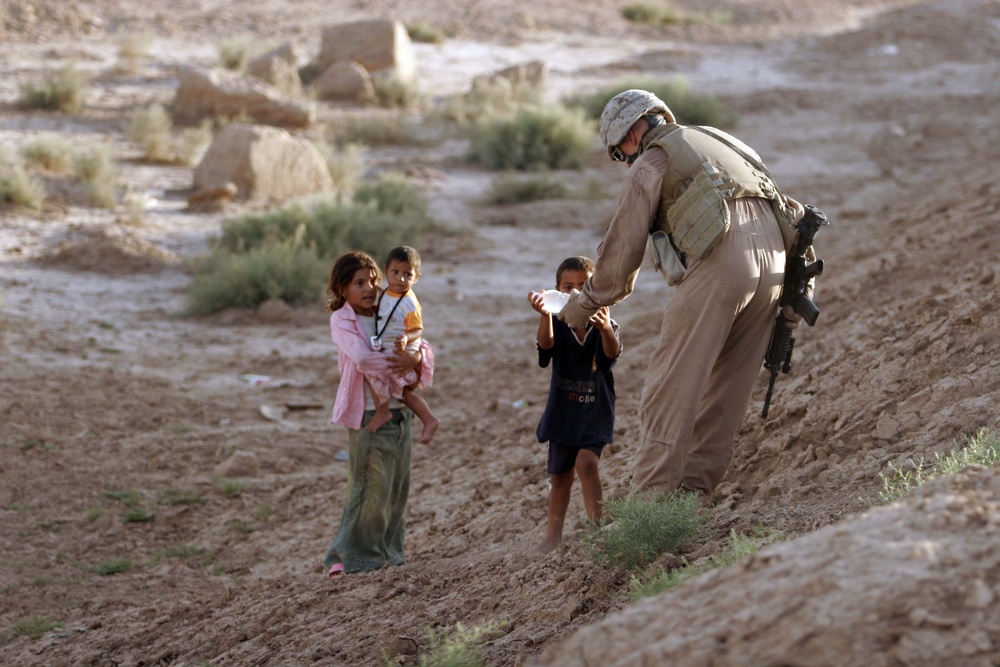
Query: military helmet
[[622, 110]]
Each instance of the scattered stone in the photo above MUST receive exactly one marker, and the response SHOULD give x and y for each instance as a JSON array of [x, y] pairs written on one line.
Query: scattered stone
[[205, 94], [378, 45], [263, 163]]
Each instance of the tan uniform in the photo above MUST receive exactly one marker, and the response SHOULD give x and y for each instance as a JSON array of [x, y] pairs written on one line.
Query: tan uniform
[[714, 334]]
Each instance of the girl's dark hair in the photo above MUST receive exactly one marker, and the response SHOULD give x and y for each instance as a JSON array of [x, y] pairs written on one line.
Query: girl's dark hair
[[575, 263], [343, 270]]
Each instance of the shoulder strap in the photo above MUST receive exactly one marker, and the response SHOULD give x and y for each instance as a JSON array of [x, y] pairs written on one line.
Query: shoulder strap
[[712, 132]]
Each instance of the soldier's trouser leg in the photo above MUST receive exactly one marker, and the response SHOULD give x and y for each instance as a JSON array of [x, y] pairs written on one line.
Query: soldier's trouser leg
[[712, 343]]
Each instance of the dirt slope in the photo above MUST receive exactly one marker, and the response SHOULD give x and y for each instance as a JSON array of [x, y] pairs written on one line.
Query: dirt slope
[[884, 123]]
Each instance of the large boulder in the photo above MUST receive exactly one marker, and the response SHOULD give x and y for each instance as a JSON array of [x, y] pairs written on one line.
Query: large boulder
[[345, 82], [220, 93], [914, 583], [263, 163], [278, 67], [381, 46]]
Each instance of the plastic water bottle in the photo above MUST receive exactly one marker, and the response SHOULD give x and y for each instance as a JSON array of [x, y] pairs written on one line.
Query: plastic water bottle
[[554, 300]]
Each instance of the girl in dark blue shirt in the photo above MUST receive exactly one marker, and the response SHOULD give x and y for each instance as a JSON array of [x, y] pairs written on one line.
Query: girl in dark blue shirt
[[579, 415]]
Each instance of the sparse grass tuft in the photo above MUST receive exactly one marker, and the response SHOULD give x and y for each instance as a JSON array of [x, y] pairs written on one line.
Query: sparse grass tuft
[[394, 92], [395, 129], [344, 164], [656, 13], [96, 170], [114, 566], [458, 648], [126, 498], [690, 108], [133, 47], [139, 515], [740, 546], [53, 154], [510, 189], [236, 52], [982, 449], [172, 497], [20, 188], [151, 130], [641, 526], [425, 33], [533, 139], [34, 627], [229, 487], [179, 551], [60, 89]]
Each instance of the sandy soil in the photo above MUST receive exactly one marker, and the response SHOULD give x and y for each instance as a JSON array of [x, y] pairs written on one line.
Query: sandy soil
[[879, 113]]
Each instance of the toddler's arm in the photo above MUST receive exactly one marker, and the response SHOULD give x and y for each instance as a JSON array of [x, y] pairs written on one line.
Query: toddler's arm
[[408, 337]]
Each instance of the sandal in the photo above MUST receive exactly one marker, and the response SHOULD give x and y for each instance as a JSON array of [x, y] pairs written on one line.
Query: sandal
[[336, 571]]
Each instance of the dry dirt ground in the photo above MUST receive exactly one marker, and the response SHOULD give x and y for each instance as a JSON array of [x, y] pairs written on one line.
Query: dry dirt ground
[[880, 113]]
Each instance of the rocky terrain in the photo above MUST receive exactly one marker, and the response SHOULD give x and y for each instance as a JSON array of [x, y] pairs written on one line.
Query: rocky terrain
[[881, 114]]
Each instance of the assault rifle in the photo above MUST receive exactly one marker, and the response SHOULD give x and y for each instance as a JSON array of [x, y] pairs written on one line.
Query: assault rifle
[[798, 273]]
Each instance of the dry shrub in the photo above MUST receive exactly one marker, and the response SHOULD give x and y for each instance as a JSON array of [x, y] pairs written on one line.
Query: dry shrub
[[53, 154], [20, 188], [151, 130], [133, 49], [96, 170], [60, 89]]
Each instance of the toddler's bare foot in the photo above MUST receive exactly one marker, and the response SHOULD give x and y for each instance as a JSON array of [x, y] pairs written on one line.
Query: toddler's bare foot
[[381, 416], [430, 428]]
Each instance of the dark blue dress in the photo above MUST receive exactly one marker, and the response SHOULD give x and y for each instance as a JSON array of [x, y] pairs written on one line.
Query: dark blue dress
[[581, 406]]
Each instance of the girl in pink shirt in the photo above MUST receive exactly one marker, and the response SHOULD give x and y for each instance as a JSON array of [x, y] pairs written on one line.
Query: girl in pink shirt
[[373, 523]]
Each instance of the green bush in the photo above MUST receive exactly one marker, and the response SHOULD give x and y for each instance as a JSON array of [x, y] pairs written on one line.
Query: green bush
[[690, 108], [534, 138], [383, 214], [509, 189], [641, 526], [284, 254], [60, 89], [285, 270]]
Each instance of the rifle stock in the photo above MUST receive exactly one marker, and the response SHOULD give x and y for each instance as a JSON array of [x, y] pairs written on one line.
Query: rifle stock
[[794, 292]]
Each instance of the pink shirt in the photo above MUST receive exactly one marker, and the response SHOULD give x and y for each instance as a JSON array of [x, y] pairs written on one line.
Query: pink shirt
[[355, 358]]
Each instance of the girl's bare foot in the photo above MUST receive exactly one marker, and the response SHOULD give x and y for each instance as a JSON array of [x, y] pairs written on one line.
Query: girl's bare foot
[[430, 428], [548, 546]]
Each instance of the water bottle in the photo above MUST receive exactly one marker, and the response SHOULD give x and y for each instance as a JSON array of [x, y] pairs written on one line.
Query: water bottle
[[554, 300]]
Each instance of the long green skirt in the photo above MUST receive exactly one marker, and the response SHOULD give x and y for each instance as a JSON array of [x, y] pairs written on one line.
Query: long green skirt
[[378, 483]]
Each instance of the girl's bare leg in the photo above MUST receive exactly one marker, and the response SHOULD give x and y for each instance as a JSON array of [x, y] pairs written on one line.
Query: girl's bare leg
[[590, 481], [558, 504]]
